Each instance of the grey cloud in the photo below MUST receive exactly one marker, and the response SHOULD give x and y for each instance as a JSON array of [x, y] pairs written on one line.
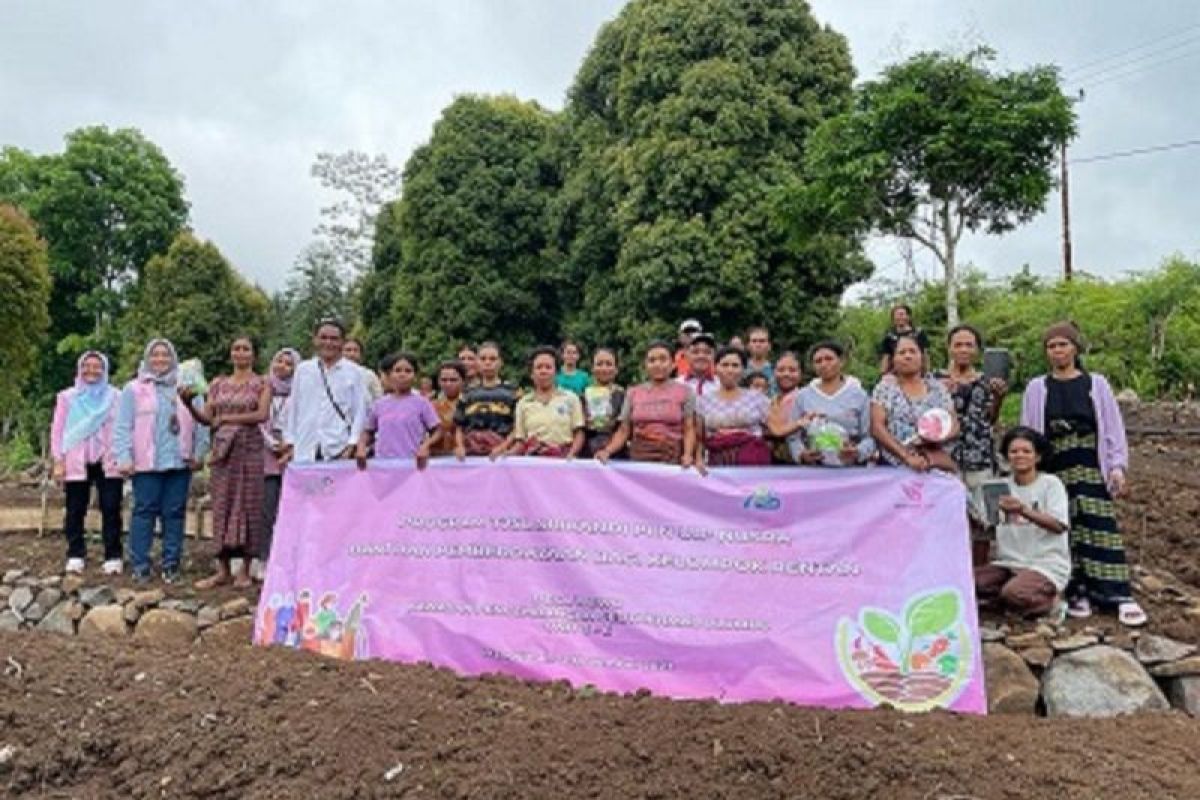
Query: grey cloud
[[241, 96]]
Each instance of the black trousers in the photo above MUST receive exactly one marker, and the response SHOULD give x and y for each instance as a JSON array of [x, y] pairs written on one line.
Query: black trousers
[[272, 487], [79, 494]]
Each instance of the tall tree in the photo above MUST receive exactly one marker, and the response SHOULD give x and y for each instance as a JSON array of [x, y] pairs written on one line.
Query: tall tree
[[365, 183], [471, 232], [315, 290], [373, 294], [24, 314], [105, 205], [108, 203], [684, 123], [938, 146], [193, 296]]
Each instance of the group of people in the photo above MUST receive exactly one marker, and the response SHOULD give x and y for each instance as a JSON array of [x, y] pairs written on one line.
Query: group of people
[[702, 404]]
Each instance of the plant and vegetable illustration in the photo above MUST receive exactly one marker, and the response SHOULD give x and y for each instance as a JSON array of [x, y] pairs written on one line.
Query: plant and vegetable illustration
[[917, 660]]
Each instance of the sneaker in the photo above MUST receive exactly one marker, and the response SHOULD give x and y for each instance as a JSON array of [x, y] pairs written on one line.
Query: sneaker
[[170, 575], [112, 567], [74, 566], [142, 578]]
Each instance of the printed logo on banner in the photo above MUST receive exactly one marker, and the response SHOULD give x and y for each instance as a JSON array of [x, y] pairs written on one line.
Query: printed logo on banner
[[292, 621], [915, 661], [315, 485], [913, 494], [763, 499]]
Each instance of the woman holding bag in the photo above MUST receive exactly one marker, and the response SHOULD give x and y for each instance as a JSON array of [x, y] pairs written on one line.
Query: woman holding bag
[[236, 405], [157, 442]]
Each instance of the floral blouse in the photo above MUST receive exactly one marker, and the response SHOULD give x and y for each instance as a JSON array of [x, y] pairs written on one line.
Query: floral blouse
[[903, 412]]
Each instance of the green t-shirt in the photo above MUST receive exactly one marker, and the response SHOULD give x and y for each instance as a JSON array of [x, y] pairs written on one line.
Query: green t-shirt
[[576, 382]]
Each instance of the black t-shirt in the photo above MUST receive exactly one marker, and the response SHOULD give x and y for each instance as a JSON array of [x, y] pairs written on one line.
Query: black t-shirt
[[1071, 401], [488, 408], [888, 346]]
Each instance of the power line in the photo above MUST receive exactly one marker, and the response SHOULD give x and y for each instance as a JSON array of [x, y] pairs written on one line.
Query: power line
[[1141, 151], [1100, 60], [1141, 70], [1120, 66]]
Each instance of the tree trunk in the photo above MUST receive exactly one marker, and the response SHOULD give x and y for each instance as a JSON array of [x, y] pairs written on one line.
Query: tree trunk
[[950, 267]]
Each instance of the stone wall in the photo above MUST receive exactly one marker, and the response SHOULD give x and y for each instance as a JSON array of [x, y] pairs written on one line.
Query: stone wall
[[1088, 673], [67, 607]]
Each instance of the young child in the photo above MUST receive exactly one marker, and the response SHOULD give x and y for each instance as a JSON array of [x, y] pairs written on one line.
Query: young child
[[484, 417], [549, 420], [757, 381], [403, 423], [1033, 556], [570, 377], [602, 400], [451, 378]]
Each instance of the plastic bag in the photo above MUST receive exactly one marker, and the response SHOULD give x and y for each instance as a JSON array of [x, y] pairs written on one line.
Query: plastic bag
[[828, 438], [191, 376]]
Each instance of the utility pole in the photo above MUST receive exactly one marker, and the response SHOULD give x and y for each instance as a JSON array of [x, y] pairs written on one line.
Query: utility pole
[[1066, 215]]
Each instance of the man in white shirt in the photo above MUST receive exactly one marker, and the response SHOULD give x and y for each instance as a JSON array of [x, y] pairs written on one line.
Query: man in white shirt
[[700, 363], [328, 404], [353, 350]]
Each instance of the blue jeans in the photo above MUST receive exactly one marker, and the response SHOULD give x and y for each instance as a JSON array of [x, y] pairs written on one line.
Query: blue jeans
[[158, 495]]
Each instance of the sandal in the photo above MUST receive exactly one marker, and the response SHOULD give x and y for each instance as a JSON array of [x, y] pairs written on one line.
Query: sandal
[[1079, 608], [1131, 615], [212, 582], [1057, 613]]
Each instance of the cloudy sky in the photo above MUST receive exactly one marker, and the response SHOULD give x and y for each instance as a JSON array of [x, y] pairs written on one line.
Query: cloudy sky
[[241, 96]]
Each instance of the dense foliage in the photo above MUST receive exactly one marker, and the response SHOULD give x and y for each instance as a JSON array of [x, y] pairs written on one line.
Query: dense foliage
[[1142, 332], [194, 297], [938, 146], [105, 205], [24, 312], [683, 123], [466, 245]]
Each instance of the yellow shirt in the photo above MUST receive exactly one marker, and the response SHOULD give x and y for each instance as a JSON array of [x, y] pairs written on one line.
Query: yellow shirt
[[551, 421]]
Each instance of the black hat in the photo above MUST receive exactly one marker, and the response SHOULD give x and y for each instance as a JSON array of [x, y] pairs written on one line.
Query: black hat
[[706, 338]]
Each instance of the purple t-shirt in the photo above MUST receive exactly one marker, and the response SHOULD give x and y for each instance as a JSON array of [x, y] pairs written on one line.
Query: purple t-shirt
[[400, 423]]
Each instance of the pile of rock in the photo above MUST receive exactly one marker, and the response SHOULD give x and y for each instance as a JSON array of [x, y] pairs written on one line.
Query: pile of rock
[[66, 607], [1088, 673]]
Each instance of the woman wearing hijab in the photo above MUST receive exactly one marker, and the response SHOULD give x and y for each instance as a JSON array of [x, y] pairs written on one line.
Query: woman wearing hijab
[[1075, 409], [237, 404], [81, 445], [283, 367], [156, 441]]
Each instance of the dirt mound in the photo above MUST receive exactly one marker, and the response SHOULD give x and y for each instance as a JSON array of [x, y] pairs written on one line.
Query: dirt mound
[[103, 719]]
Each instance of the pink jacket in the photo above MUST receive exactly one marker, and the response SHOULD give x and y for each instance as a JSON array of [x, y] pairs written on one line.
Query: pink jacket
[[75, 460], [146, 409]]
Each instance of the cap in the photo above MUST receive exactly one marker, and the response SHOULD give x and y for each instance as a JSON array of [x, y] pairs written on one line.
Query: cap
[[705, 338], [690, 326]]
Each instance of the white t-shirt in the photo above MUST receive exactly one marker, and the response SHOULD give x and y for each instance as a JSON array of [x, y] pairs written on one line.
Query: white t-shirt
[[1022, 545]]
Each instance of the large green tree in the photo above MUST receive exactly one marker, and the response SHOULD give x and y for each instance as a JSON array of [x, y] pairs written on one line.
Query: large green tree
[[373, 293], [316, 289], [105, 205], [938, 146], [684, 123], [194, 297], [24, 315], [466, 243]]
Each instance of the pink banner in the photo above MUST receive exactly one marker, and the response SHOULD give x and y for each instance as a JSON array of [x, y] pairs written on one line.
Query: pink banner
[[823, 587]]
